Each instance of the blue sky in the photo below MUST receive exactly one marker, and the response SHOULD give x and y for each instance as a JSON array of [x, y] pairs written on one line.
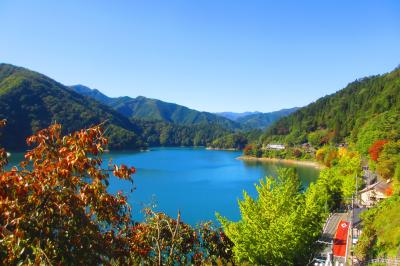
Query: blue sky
[[210, 55]]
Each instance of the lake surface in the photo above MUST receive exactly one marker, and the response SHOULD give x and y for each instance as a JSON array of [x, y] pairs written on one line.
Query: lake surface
[[196, 181]]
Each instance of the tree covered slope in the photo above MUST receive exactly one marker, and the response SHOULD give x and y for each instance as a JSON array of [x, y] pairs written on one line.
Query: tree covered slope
[[341, 115], [264, 120], [156, 110], [31, 101]]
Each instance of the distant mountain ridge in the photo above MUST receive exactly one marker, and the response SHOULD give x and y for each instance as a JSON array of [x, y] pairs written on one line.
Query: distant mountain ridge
[[235, 116], [155, 110], [31, 101], [257, 120]]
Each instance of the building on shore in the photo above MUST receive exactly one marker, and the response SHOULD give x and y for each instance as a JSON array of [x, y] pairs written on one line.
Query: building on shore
[[275, 147]]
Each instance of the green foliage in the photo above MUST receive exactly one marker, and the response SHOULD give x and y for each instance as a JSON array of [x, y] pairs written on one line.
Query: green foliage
[[290, 153], [343, 113], [263, 120], [327, 155], [383, 126], [162, 240], [155, 110], [380, 136], [252, 150], [167, 134], [231, 141], [31, 101], [281, 226], [121, 138], [57, 210], [389, 160], [236, 140], [381, 230], [318, 137], [339, 180]]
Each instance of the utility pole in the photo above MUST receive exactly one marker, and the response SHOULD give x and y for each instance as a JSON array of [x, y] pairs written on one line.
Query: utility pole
[[351, 225], [352, 216], [356, 189]]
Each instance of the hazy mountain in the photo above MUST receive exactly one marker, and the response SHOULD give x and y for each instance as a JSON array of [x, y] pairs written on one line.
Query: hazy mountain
[[257, 120], [235, 116], [263, 120]]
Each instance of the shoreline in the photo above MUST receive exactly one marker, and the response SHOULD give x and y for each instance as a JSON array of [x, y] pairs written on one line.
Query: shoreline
[[285, 161], [221, 149]]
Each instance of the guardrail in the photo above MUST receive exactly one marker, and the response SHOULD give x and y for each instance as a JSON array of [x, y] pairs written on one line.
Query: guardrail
[[326, 222], [391, 262]]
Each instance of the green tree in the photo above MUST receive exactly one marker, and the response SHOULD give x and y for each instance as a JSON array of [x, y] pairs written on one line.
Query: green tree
[[389, 160], [381, 231], [280, 226]]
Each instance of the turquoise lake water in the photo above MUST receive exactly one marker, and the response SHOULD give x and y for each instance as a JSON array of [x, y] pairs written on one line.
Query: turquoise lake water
[[196, 181]]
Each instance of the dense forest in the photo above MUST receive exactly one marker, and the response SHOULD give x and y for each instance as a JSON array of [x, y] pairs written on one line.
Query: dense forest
[[31, 101], [159, 133], [263, 120], [339, 117], [355, 127], [155, 110]]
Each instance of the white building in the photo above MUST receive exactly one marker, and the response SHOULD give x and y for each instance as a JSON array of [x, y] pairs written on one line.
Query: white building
[[275, 147], [374, 193]]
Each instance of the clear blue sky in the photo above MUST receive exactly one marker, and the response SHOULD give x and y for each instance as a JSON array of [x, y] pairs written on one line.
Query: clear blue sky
[[209, 55]]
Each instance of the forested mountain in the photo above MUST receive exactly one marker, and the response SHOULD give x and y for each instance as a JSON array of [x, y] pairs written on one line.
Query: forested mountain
[[31, 101], [92, 93], [341, 116], [263, 120], [156, 110], [235, 116], [159, 133]]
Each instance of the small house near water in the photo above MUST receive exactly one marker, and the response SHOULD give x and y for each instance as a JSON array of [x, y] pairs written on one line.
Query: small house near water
[[275, 147]]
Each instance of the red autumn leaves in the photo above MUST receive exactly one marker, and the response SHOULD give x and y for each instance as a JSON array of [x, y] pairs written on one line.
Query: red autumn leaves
[[123, 171], [376, 148], [55, 206]]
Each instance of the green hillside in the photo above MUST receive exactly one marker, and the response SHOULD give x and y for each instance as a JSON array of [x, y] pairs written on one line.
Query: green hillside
[[263, 120], [339, 117], [156, 110], [31, 101]]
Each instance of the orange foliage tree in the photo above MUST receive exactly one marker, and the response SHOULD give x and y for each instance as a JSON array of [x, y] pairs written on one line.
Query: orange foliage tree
[[376, 148], [55, 206], [55, 209], [247, 150]]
